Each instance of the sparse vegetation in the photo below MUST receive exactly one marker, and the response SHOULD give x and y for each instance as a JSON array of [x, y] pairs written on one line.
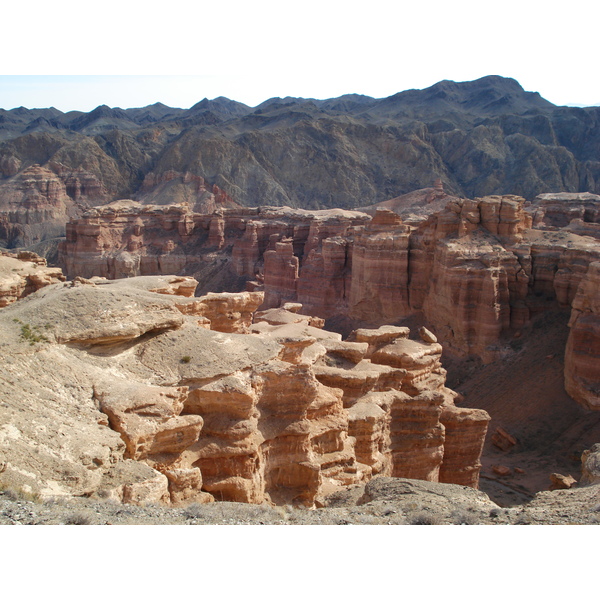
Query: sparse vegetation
[[10, 495], [186, 359], [78, 518], [32, 334], [462, 517], [424, 518], [193, 511], [18, 495]]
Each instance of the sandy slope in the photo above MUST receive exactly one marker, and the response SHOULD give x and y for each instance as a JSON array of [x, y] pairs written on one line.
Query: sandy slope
[[524, 394]]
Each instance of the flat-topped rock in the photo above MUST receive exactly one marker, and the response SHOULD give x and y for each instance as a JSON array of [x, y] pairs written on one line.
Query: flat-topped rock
[[385, 333]]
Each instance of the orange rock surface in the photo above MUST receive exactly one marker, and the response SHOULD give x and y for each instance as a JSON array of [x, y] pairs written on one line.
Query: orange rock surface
[[582, 365]]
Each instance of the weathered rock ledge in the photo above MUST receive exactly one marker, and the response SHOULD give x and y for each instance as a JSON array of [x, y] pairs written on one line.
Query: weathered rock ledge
[[137, 391], [477, 272]]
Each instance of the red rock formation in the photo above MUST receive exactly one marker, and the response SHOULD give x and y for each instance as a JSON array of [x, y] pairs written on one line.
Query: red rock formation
[[465, 431], [226, 312], [557, 210], [36, 202], [281, 274], [246, 252], [379, 288], [582, 366], [475, 271], [277, 411], [125, 239], [417, 436]]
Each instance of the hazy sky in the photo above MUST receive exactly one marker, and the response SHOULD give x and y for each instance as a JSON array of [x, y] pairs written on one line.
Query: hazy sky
[[248, 51]]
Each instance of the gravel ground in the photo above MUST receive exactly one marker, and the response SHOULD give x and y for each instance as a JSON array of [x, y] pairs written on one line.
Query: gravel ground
[[387, 502]]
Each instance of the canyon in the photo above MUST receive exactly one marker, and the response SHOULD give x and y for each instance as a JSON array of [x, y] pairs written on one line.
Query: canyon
[[318, 364], [138, 391], [475, 271], [282, 306]]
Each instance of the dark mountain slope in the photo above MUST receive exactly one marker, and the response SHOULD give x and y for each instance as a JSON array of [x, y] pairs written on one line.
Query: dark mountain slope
[[481, 137]]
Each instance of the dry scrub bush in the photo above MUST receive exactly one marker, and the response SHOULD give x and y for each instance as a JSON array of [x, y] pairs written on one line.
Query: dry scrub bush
[[424, 519], [78, 518]]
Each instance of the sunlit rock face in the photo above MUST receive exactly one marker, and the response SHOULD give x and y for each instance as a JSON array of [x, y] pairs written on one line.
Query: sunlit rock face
[[475, 269], [22, 274], [145, 393]]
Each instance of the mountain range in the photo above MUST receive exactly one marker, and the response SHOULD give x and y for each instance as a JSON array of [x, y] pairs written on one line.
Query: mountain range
[[482, 137]]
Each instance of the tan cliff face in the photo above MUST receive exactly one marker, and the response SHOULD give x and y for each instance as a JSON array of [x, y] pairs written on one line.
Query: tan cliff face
[[23, 273], [145, 393], [36, 202], [475, 270]]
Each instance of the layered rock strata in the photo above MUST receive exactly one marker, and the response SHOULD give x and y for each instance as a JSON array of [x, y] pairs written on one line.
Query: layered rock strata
[[476, 269], [582, 354], [22, 274], [36, 202], [126, 238], [144, 393]]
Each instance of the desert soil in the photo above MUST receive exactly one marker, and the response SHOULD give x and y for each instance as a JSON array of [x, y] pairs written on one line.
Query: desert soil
[[384, 501], [524, 394]]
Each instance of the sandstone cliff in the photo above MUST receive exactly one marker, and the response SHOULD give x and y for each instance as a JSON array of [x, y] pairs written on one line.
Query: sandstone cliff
[[582, 367], [144, 393], [477, 270], [36, 202]]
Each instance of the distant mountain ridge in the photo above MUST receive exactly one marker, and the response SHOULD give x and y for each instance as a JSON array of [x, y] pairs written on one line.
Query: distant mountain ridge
[[487, 136]]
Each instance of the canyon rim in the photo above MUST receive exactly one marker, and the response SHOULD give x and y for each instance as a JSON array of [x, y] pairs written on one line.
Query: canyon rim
[[284, 304]]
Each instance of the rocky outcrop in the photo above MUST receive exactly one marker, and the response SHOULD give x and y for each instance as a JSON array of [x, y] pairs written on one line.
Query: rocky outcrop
[[563, 209], [476, 270], [139, 371], [582, 367], [226, 312], [35, 203], [22, 274]]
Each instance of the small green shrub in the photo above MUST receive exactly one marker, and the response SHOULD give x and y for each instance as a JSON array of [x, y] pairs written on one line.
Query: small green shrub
[[186, 359], [31, 334]]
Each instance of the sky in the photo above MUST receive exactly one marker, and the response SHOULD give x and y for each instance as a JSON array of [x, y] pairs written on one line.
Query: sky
[[132, 54]]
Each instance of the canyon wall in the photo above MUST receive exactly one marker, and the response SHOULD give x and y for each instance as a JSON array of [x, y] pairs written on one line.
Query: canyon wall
[[36, 202], [145, 393], [476, 270], [582, 365]]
